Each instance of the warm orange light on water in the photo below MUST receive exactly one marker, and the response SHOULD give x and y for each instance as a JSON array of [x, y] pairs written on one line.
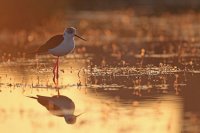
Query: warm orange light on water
[[101, 114], [26, 115]]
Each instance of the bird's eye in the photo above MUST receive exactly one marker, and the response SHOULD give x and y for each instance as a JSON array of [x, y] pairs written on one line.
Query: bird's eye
[[70, 31]]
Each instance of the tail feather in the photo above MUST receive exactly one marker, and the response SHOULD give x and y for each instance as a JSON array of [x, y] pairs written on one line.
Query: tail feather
[[32, 97]]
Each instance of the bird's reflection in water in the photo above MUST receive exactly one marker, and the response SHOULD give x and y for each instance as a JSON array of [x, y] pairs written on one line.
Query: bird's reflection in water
[[61, 106]]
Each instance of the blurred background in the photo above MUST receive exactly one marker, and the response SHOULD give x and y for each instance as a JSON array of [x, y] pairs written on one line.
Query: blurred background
[[30, 23], [28, 14]]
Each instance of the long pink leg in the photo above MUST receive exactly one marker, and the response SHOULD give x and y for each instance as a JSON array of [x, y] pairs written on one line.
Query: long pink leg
[[56, 75], [54, 72]]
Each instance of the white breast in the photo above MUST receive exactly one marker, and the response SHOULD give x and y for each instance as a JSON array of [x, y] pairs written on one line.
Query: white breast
[[64, 48]]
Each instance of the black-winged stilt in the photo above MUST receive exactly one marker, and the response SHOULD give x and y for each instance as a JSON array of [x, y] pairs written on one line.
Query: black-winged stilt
[[59, 45]]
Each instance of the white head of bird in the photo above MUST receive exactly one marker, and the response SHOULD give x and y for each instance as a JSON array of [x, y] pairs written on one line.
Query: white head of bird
[[70, 33]]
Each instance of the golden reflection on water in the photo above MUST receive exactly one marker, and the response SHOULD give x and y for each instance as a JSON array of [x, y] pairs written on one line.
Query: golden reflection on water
[[22, 114], [26, 115]]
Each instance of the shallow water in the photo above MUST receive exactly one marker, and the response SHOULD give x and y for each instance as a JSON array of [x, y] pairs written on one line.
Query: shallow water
[[110, 104]]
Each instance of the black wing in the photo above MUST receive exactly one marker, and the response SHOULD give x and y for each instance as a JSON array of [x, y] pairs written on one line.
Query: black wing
[[50, 106], [43, 100], [51, 43], [64, 101]]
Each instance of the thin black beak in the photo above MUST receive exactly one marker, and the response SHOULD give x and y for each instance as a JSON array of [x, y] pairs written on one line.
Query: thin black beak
[[79, 115], [80, 37]]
